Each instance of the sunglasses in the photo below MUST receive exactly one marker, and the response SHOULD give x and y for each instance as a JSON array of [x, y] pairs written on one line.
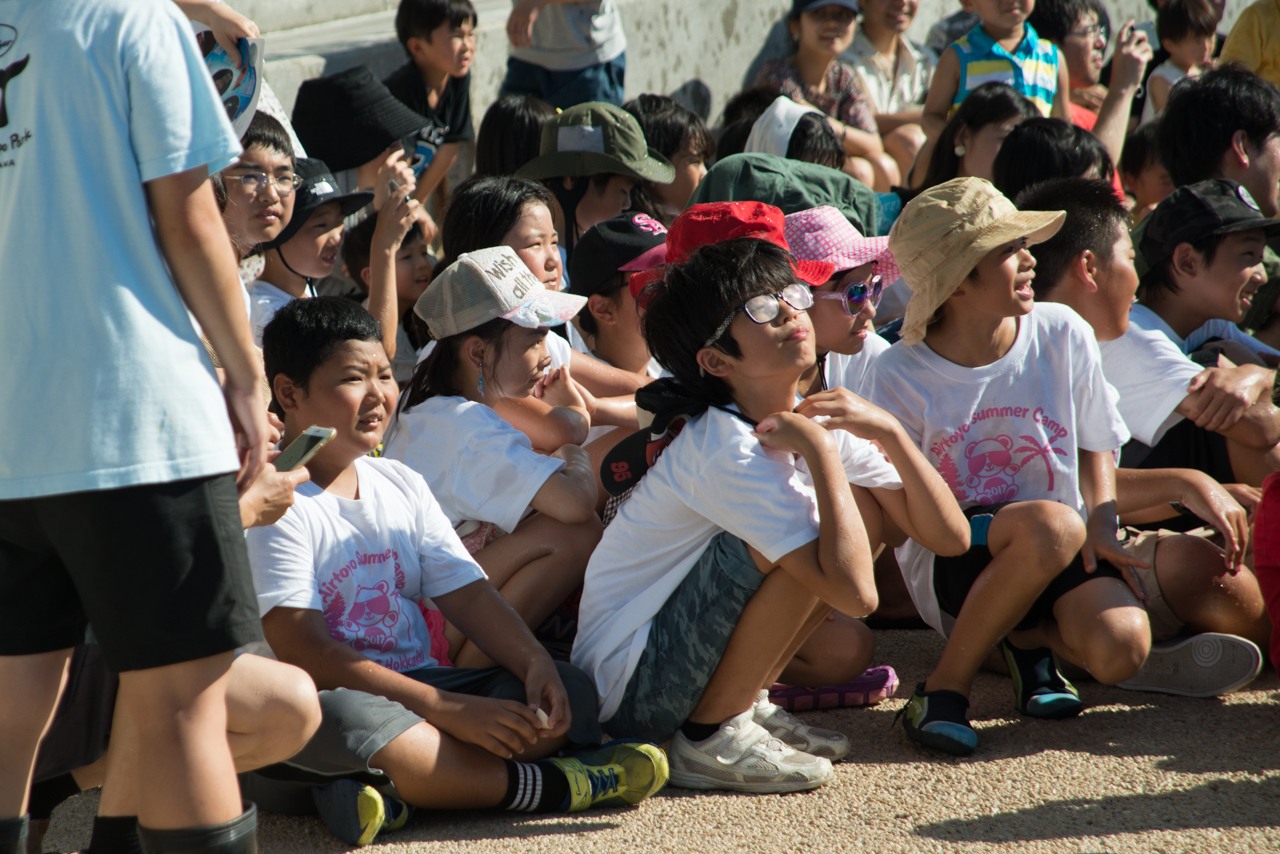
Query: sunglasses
[[854, 296], [766, 307]]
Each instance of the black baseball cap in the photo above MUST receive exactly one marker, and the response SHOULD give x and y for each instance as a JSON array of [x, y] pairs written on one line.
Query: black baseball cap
[[349, 118], [628, 243], [798, 6], [1190, 214], [318, 188]]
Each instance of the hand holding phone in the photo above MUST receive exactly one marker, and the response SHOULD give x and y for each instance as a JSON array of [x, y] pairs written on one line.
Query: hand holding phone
[[303, 448]]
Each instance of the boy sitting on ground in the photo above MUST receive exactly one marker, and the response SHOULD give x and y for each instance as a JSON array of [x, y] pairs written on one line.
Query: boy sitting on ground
[[1191, 584], [744, 534], [1202, 247], [333, 577]]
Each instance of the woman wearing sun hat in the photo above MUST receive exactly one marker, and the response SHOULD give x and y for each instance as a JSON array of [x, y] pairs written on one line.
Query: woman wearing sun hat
[[1007, 399]]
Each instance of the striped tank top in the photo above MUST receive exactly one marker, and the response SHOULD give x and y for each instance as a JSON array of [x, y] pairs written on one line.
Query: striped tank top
[[1032, 68]]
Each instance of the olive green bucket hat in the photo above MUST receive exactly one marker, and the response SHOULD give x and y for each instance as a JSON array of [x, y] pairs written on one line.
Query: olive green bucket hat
[[595, 138]]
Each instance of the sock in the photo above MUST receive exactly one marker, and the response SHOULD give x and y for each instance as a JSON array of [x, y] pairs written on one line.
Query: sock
[[13, 835], [114, 834], [698, 732], [47, 794], [535, 787]]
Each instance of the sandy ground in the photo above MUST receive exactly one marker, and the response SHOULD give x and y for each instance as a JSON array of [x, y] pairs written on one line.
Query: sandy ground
[[1134, 773]]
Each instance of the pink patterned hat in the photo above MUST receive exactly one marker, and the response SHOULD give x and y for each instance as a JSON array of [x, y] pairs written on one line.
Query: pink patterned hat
[[823, 234]]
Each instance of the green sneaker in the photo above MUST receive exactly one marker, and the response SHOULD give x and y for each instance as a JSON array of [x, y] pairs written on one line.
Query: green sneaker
[[939, 719], [1039, 690], [645, 764]]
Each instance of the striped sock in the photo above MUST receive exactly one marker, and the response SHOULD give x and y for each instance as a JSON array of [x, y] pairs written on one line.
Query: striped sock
[[535, 787]]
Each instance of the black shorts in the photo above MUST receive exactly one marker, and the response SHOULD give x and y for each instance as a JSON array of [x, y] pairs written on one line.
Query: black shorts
[[161, 571], [1183, 446], [953, 576]]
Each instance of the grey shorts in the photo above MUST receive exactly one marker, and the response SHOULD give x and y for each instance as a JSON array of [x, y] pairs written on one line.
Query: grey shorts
[[686, 641], [356, 725]]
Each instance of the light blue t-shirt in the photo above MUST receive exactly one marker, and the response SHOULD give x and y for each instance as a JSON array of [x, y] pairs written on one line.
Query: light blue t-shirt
[[104, 382]]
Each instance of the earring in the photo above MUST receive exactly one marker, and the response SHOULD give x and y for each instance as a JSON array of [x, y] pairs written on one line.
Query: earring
[[959, 150], [480, 385]]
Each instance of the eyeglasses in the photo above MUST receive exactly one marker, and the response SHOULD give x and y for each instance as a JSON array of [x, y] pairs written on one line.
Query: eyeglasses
[[255, 182], [766, 307], [1091, 32], [854, 296]]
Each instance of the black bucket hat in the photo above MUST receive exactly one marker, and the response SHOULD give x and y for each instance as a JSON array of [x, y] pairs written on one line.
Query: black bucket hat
[[318, 188], [349, 118]]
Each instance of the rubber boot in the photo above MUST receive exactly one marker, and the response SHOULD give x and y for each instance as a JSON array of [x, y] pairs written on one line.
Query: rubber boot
[[238, 836]]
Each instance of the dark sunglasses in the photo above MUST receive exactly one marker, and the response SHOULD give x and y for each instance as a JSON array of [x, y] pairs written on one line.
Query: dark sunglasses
[[854, 296]]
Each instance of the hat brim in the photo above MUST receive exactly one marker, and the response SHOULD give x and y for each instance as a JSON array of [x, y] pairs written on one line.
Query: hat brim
[[647, 260], [573, 164], [349, 203], [866, 250], [1035, 226], [813, 273], [548, 308]]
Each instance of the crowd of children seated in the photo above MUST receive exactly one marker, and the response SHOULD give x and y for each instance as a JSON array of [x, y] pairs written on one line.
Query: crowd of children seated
[[625, 443]]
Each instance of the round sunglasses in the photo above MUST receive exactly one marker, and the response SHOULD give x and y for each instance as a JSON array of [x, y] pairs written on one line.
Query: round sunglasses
[[765, 307], [854, 296]]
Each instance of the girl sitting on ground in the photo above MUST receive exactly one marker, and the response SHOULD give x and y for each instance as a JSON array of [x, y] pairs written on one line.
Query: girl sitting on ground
[[527, 518]]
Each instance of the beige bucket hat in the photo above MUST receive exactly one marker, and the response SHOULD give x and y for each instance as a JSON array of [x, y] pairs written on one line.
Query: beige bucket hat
[[944, 232]]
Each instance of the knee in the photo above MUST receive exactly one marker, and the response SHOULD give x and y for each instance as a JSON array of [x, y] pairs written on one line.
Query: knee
[[1055, 532], [293, 713], [1117, 651], [860, 169], [583, 537]]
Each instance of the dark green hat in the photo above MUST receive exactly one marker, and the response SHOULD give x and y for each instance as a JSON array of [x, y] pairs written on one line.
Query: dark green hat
[[1190, 214], [596, 138], [789, 185]]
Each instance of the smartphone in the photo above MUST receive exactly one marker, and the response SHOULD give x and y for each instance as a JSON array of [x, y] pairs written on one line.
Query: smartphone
[[303, 448], [394, 184]]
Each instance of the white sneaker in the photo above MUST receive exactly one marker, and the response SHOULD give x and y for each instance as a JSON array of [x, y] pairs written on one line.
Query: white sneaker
[[743, 757], [796, 734], [1204, 665]]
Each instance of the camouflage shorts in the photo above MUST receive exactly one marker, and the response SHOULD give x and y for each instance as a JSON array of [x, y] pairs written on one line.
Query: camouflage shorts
[[686, 640]]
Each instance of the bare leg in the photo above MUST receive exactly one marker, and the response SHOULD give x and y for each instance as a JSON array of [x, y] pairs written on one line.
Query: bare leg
[[272, 711], [903, 143], [1251, 465], [30, 686], [1201, 593], [886, 172], [1099, 626], [861, 169], [839, 649], [597, 450], [534, 568], [1031, 542]]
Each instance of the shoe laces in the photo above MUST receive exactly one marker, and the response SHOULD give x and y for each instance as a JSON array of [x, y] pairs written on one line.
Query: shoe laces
[[604, 781]]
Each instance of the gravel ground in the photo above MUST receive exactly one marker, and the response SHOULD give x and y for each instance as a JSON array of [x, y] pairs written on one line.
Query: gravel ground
[[1135, 772]]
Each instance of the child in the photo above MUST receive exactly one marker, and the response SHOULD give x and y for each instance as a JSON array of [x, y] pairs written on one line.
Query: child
[[894, 72], [1088, 265], [306, 248], [821, 30], [1203, 247], [796, 132], [1040, 149], [566, 52], [730, 550], [1187, 30], [971, 139], [1143, 175], [680, 136], [1009, 401], [439, 36], [338, 579], [591, 157], [510, 134], [1004, 48], [257, 190], [528, 519]]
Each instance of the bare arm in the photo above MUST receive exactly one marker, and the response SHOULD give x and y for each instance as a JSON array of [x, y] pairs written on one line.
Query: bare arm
[[548, 427], [1098, 489], [856, 142], [1235, 402], [434, 174], [228, 25], [1132, 54], [604, 380], [942, 91], [394, 221], [1145, 495], [520, 23], [888, 122], [570, 494], [1158, 91], [194, 242], [1062, 97]]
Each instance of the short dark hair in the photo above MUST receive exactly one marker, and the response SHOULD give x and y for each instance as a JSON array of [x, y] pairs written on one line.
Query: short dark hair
[[510, 134], [989, 104], [609, 290], [304, 334], [266, 132], [1204, 112], [1040, 149], [1159, 279], [420, 18], [357, 245], [813, 141], [1141, 149], [1093, 216], [694, 297], [1184, 19], [1055, 19], [668, 127], [482, 211], [750, 103]]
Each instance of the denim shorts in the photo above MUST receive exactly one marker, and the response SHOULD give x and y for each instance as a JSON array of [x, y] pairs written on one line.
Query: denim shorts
[[565, 89], [686, 640]]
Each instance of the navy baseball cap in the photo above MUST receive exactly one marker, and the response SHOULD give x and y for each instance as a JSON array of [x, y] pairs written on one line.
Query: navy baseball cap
[[1190, 214], [798, 6]]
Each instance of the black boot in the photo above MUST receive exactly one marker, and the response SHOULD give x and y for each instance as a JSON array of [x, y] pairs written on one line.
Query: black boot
[[238, 836]]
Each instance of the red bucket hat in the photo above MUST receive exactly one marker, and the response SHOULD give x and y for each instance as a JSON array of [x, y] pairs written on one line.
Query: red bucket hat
[[703, 225]]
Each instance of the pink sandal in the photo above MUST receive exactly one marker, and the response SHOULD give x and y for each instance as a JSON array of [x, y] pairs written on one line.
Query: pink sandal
[[876, 685]]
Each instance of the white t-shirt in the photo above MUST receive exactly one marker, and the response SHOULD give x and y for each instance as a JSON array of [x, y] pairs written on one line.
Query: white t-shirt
[[479, 467], [114, 93], [715, 476], [265, 299], [1006, 431], [364, 564], [1211, 329], [1150, 372], [853, 372], [569, 36]]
